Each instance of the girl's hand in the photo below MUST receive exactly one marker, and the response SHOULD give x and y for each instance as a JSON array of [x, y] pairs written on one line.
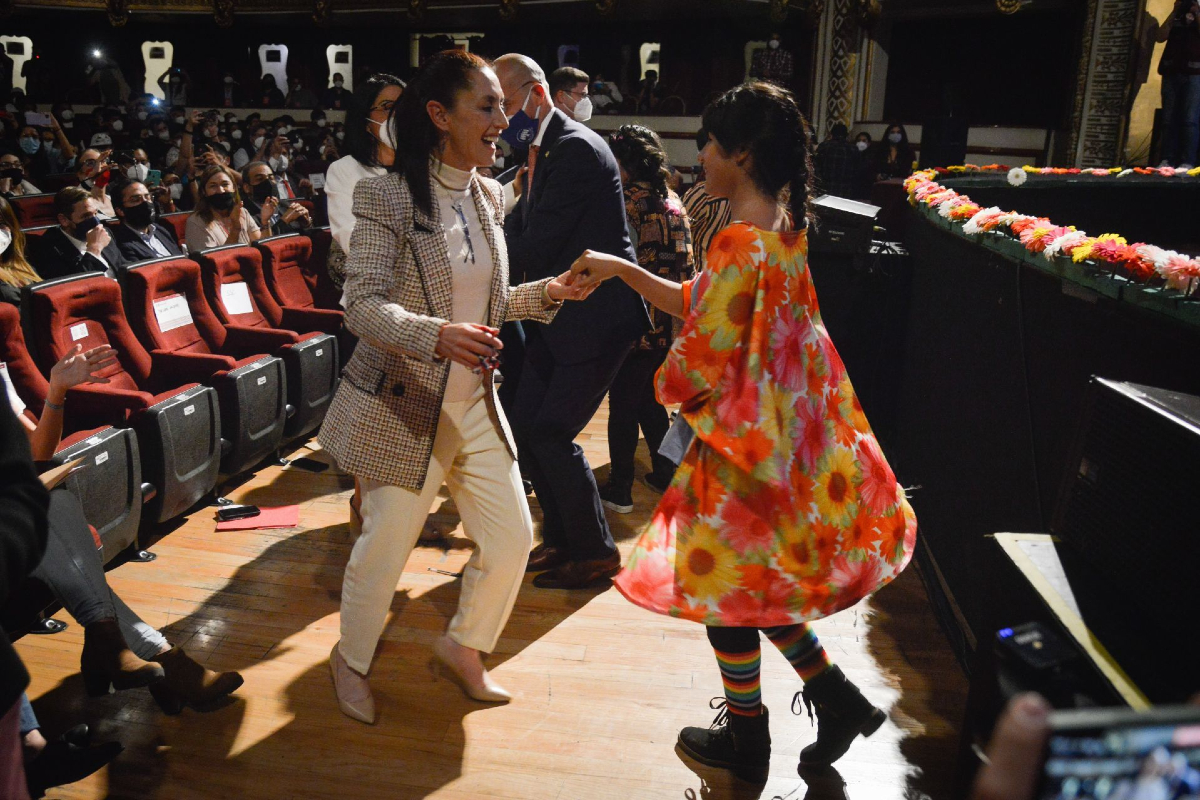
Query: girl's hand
[[593, 267], [467, 343], [570, 287], [78, 367]]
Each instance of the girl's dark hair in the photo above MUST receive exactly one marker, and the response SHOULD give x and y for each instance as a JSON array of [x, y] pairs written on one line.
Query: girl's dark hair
[[417, 139], [360, 141], [640, 152], [765, 121]]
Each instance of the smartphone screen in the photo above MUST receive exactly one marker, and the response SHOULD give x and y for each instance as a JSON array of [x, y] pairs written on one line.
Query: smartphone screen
[[35, 118], [153, 178], [1118, 754]]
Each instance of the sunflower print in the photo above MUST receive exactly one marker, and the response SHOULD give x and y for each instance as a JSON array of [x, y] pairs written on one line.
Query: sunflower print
[[784, 510]]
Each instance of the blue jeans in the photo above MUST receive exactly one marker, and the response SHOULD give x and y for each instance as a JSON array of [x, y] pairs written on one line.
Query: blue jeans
[[1180, 118]]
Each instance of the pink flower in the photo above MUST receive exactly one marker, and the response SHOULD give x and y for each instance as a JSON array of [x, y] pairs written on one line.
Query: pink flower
[[878, 490], [651, 580], [855, 579], [788, 336], [745, 530], [815, 437]]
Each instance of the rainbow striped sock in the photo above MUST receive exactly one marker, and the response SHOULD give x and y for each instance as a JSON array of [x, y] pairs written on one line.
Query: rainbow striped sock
[[800, 647], [743, 686]]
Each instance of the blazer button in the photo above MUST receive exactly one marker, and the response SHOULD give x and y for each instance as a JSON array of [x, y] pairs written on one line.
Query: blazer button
[[398, 390]]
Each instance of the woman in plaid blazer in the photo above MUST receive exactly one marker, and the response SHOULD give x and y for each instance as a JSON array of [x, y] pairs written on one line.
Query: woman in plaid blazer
[[426, 292]]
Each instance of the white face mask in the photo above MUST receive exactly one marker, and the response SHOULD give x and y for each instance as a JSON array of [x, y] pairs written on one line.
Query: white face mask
[[383, 133], [340, 135], [773, 44], [258, 142], [228, 80], [583, 110], [279, 164], [176, 190], [861, 145], [321, 123], [138, 172], [895, 138], [237, 134], [68, 115], [164, 135], [178, 120], [141, 115], [286, 129], [5, 240], [118, 125]]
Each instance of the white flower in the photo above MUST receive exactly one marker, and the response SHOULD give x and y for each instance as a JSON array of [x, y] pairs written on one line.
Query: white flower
[[972, 225], [1055, 248], [1017, 176], [1124, 172]]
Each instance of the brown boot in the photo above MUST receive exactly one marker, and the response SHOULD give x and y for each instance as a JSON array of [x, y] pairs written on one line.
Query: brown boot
[[188, 683], [107, 661]]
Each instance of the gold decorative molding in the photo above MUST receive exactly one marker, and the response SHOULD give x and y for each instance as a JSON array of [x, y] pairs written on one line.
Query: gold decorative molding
[[508, 9]]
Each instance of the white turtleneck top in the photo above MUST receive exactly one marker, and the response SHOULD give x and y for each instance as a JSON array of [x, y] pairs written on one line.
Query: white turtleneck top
[[470, 263]]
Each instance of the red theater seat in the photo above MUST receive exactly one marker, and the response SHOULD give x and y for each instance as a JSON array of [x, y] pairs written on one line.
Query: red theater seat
[[110, 488], [34, 210], [283, 261], [177, 220], [165, 302], [177, 423], [316, 271], [234, 285]]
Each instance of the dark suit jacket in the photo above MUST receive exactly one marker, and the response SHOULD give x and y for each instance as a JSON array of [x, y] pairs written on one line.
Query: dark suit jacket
[[133, 248], [53, 255], [576, 204], [23, 504]]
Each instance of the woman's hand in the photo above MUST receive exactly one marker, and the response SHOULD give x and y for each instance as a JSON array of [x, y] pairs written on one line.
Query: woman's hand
[[78, 367], [568, 286], [268, 210], [468, 343], [593, 267], [235, 216]]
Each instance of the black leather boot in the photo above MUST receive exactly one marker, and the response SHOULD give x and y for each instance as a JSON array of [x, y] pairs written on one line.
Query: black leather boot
[[842, 714], [734, 742]]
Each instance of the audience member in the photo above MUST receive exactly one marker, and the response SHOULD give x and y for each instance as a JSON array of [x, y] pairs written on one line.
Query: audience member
[[13, 182], [260, 194], [572, 202], [176, 87], [606, 96], [649, 93], [775, 63], [139, 237], [337, 97], [67, 759], [569, 90], [15, 270], [94, 172], [300, 97], [80, 243], [706, 213], [220, 217], [105, 74], [253, 145], [893, 156], [54, 153], [839, 163], [23, 503], [231, 92], [269, 95], [1180, 70], [662, 239]]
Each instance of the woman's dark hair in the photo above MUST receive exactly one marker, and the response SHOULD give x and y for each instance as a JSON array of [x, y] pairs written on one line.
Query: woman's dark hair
[[764, 120], [417, 139], [640, 152], [904, 150], [360, 142]]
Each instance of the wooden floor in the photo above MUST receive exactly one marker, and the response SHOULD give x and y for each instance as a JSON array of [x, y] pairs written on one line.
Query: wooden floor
[[602, 687]]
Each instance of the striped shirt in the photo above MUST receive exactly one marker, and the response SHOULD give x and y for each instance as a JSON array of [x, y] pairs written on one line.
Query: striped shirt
[[708, 215]]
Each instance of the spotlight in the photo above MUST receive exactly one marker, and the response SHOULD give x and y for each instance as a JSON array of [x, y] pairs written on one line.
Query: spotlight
[[95, 54]]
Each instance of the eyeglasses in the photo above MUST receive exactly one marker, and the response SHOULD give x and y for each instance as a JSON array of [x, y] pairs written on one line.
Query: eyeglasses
[[505, 102]]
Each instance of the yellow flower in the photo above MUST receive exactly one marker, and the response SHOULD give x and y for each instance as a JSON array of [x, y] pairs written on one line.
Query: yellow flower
[[835, 486], [705, 566], [1083, 251], [729, 305]]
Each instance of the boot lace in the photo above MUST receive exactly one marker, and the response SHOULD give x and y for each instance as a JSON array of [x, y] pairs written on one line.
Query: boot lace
[[719, 705], [799, 708]]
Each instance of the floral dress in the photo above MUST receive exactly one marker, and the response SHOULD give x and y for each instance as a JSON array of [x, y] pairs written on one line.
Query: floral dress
[[784, 509]]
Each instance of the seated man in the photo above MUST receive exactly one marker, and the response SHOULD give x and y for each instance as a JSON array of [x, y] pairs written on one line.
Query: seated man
[[260, 195], [80, 243], [138, 236]]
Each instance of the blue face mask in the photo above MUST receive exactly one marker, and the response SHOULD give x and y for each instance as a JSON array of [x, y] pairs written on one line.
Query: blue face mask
[[522, 128], [30, 144]]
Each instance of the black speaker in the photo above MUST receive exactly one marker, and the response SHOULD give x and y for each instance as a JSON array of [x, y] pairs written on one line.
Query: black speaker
[[843, 226]]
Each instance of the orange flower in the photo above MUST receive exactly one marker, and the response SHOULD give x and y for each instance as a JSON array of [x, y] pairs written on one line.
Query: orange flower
[[826, 543], [862, 532], [816, 595], [734, 244]]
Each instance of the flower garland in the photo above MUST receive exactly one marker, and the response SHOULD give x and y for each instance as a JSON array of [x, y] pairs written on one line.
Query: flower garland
[[1120, 172], [1139, 262]]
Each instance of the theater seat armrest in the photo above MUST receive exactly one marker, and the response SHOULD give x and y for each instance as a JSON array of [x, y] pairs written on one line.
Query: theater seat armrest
[[306, 320], [92, 400], [245, 340], [197, 367]]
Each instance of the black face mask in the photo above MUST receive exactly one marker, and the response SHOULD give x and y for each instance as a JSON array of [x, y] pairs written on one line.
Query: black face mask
[[222, 201], [142, 215], [16, 174], [262, 191], [83, 228]]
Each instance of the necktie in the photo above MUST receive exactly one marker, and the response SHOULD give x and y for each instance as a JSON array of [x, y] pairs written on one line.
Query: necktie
[[532, 162]]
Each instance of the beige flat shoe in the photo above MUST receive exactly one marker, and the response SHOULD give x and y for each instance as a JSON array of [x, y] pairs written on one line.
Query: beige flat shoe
[[353, 692]]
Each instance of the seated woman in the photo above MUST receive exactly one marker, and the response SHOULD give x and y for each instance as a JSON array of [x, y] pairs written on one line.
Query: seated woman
[[73, 571], [13, 177], [220, 217], [15, 270]]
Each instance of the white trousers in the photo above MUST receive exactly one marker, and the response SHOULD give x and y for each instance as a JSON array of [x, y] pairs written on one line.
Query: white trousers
[[470, 457]]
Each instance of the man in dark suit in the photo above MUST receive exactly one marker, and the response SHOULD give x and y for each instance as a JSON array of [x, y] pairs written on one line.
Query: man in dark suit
[[80, 243], [571, 201], [261, 196], [139, 237]]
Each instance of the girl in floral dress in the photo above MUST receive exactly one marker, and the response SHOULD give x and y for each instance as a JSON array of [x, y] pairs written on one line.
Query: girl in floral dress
[[784, 509]]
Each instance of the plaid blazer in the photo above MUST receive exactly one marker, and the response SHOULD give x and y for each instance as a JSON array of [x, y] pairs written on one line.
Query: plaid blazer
[[383, 419]]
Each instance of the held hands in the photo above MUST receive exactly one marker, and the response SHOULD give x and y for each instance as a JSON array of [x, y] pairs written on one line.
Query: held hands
[[78, 367], [569, 287], [592, 268], [468, 344]]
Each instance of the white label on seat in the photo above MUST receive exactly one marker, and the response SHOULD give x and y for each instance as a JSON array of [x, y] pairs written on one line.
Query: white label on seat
[[100, 459], [236, 298], [79, 332], [18, 405], [320, 352], [318, 181], [172, 312], [262, 381], [95, 440], [189, 410]]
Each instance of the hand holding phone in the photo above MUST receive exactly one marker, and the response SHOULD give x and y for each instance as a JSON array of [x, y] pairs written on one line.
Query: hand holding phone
[[36, 118]]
